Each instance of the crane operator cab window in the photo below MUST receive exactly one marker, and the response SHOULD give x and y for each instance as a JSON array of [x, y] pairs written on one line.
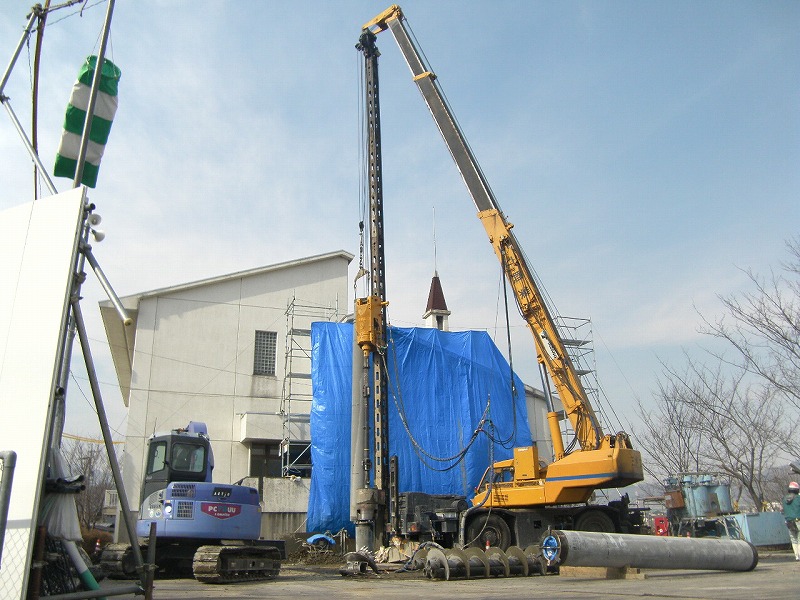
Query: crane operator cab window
[[188, 457], [504, 475]]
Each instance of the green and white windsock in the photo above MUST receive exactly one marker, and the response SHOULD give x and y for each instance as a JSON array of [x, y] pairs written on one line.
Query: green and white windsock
[[104, 110]]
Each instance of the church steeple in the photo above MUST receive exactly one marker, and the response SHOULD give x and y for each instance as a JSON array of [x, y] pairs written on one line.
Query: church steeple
[[436, 312]]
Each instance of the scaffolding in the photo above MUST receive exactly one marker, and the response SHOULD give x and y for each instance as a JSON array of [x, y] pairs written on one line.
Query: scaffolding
[[296, 395], [577, 337]]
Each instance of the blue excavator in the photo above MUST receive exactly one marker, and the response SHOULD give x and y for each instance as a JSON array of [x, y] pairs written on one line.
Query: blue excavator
[[205, 529]]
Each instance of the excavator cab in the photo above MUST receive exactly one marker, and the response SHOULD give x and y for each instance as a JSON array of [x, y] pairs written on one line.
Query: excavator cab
[[181, 455]]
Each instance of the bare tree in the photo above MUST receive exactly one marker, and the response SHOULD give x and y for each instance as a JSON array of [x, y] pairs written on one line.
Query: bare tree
[[763, 327], [672, 436], [749, 428], [736, 416], [715, 420], [88, 458]]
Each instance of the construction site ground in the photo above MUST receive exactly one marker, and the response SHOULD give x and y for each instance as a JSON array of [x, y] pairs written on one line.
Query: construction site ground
[[777, 576]]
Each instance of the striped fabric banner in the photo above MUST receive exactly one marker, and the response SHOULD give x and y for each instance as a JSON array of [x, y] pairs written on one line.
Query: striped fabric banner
[[105, 108]]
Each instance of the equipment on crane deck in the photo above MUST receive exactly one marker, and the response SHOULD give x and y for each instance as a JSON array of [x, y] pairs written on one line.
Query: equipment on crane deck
[[210, 530], [518, 498]]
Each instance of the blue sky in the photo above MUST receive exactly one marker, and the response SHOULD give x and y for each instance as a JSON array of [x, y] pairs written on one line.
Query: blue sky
[[646, 153]]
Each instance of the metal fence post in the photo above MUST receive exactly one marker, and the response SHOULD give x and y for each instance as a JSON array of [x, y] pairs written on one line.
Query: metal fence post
[[9, 460]]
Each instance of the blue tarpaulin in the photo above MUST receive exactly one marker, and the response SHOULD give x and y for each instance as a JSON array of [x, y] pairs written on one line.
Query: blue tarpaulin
[[440, 382]]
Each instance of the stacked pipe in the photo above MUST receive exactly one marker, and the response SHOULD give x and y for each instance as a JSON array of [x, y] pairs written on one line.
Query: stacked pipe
[[474, 563]]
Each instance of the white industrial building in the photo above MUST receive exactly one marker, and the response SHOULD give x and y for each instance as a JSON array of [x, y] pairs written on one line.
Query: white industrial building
[[234, 352]]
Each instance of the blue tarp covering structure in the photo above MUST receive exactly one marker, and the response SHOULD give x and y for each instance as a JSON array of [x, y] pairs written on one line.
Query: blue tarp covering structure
[[440, 382]]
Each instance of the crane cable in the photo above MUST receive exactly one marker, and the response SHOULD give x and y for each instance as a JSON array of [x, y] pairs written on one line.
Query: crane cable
[[512, 384], [362, 174]]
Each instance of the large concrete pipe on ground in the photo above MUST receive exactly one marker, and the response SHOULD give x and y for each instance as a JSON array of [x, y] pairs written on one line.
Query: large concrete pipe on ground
[[589, 549]]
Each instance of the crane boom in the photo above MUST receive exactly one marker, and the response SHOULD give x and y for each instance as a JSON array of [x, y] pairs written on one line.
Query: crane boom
[[603, 460]]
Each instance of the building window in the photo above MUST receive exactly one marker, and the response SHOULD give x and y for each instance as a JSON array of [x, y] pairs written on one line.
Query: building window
[[265, 353], [266, 460]]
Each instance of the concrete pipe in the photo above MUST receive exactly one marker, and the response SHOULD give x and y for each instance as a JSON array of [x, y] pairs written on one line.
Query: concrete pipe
[[590, 549]]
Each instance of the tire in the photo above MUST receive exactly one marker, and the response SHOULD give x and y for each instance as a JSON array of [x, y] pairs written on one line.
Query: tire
[[489, 528], [595, 520]]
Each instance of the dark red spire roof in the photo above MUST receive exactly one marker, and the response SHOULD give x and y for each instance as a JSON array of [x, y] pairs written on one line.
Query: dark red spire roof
[[436, 296]]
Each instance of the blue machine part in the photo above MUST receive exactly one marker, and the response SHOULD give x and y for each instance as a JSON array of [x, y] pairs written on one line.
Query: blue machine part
[[697, 499], [317, 537], [550, 548], [705, 496], [441, 381], [723, 492], [197, 427], [202, 511]]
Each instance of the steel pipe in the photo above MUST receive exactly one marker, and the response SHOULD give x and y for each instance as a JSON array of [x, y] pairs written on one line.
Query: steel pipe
[[590, 549]]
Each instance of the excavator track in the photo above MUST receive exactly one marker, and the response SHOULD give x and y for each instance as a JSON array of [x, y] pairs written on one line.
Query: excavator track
[[117, 561], [229, 564]]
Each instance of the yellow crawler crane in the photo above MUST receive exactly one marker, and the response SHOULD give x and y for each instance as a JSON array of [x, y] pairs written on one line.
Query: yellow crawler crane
[[599, 460]]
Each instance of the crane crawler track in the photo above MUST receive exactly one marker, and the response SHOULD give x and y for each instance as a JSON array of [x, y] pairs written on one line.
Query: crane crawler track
[[229, 564]]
